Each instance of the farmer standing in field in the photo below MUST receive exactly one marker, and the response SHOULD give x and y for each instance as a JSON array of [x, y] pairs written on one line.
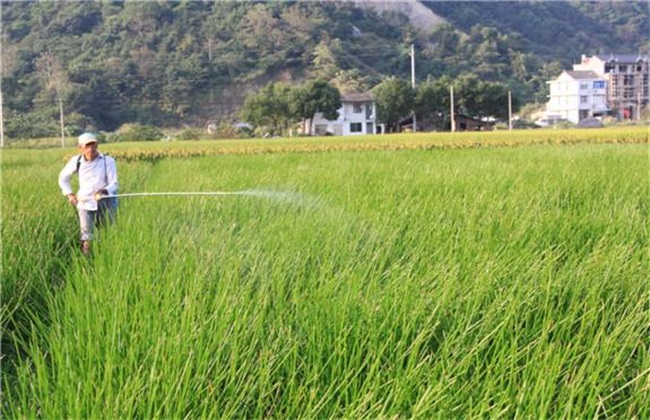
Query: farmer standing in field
[[97, 177]]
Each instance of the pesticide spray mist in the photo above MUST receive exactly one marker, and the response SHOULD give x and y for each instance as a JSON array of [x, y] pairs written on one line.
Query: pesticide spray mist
[[281, 196]]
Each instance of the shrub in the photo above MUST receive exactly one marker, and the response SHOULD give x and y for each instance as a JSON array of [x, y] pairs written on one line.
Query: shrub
[[244, 132], [519, 124], [225, 131], [190, 134], [30, 126], [109, 137], [137, 132], [77, 123]]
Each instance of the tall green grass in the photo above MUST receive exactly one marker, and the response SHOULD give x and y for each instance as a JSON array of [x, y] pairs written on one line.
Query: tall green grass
[[453, 283]]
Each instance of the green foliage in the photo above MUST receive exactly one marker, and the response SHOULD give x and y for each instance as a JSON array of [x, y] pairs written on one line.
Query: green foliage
[[269, 107], [138, 132], [312, 97], [191, 134], [225, 130], [478, 98], [351, 81], [432, 103], [19, 125], [245, 132], [77, 123], [601, 26], [395, 100], [325, 59]]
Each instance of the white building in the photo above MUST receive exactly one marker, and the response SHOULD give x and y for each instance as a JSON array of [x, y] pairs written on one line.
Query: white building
[[628, 81], [357, 115], [577, 95]]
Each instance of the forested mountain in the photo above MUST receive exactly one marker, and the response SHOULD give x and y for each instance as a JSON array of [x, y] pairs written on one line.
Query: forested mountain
[[558, 30], [187, 62]]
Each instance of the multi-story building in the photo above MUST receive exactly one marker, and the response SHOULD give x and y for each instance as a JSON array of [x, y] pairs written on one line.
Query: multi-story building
[[628, 89], [357, 115], [575, 96]]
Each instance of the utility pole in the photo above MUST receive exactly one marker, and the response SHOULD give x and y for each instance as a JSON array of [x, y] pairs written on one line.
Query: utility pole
[[413, 81], [509, 111], [2, 122], [453, 117], [61, 119]]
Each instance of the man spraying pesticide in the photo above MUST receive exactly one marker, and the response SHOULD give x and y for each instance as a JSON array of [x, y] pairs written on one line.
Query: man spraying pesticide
[[97, 178]]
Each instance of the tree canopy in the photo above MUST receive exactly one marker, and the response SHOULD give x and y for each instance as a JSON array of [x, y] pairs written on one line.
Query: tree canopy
[[312, 97], [395, 100], [269, 107]]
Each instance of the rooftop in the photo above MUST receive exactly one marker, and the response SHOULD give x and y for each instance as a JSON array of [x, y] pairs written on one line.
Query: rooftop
[[582, 74], [624, 58], [357, 97]]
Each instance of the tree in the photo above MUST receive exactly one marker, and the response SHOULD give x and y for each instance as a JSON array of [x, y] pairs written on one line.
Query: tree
[[548, 71], [466, 91], [7, 64], [492, 101], [432, 102], [477, 98], [312, 97], [350, 81], [184, 77], [395, 101], [54, 79], [269, 107], [324, 61]]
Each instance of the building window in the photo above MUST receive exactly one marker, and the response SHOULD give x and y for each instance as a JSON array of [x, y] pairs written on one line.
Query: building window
[[357, 108], [584, 86], [599, 84], [355, 127], [583, 99]]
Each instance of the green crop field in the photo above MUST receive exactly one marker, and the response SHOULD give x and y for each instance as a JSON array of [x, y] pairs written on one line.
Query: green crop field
[[410, 276]]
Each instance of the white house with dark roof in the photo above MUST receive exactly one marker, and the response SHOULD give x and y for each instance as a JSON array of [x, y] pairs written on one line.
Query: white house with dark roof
[[577, 95], [357, 115], [627, 75]]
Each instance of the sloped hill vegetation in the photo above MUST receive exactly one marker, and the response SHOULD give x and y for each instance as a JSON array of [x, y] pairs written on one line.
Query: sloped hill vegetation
[[559, 31], [185, 63]]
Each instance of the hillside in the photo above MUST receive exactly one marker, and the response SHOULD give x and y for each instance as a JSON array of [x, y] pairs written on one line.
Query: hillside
[[183, 63], [419, 15], [558, 30]]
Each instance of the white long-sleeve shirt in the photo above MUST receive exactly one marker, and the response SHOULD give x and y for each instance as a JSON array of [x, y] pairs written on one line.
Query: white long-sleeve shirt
[[97, 174]]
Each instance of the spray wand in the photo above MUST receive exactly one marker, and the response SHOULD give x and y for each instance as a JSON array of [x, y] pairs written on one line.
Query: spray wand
[[99, 196]]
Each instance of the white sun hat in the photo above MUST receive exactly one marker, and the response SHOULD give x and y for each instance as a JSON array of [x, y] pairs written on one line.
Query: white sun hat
[[87, 138]]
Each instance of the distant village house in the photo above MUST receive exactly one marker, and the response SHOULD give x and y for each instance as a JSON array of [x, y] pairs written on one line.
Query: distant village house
[[614, 84], [577, 95], [357, 115], [627, 75]]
